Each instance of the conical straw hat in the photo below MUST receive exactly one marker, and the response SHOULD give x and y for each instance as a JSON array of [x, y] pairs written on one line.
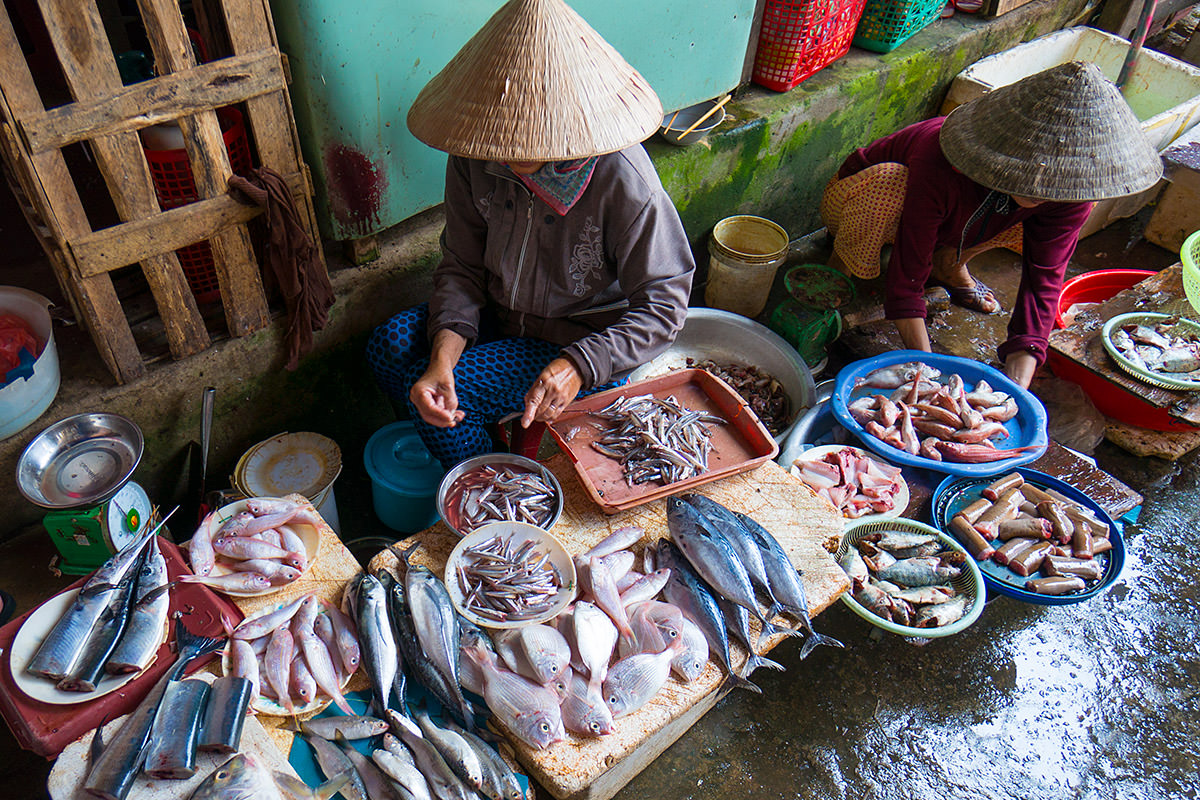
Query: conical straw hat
[[536, 83], [1065, 134]]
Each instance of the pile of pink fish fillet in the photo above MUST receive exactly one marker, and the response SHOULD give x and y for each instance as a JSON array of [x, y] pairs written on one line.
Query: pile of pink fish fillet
[[852, 481]]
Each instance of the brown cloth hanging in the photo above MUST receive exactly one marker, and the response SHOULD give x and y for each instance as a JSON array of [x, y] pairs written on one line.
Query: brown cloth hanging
[[290, 258]]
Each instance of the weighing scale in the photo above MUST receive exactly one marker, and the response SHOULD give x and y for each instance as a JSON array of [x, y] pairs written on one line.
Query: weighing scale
[[87, 537], [79, 468]]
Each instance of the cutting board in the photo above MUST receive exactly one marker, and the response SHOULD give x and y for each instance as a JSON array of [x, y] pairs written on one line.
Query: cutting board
[[595, 769]]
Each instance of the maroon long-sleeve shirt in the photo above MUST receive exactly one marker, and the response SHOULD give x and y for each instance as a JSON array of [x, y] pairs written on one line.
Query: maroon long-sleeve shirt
[[939, 202]]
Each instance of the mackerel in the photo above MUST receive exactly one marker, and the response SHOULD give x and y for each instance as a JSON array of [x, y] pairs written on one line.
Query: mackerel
[[436, 625], [375, 638], [89, 667], [144, 631]]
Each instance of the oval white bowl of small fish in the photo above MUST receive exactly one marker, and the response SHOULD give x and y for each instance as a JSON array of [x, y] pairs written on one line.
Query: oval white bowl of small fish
[[258, 564], [509, 575], [863, 488], [1160, 349], [497, 487], [933, 595], [29, 638]]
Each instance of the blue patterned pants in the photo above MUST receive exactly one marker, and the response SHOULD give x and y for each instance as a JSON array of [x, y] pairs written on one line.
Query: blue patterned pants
[[491, 380]]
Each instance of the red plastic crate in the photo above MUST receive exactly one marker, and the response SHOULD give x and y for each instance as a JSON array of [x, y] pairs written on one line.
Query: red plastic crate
[[175, 186], [799, 37]]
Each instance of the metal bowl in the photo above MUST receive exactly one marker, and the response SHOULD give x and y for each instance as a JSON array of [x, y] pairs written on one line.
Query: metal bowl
[[447, 490], [80, 461], [729, 338], [679, 121]]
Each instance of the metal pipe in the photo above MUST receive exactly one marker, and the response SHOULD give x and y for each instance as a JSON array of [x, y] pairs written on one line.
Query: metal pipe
[[1135, 44]]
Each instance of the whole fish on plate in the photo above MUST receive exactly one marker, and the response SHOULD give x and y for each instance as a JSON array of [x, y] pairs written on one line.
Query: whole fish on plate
[[242, 777], [375, 639], [61, 648], [144, 631]]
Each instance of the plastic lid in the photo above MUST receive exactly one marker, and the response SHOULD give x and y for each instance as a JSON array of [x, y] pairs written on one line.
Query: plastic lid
[[301, 463], [396, 457]]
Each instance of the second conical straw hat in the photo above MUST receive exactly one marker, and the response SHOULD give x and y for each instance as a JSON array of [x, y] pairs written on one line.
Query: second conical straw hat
[[536, 83], [1065, 134]]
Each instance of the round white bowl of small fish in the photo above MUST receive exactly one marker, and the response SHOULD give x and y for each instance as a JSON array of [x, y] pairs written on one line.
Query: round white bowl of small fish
[[499, 487], [862, 487], [509, 575], [1160, 349], [263, 704], [287, 562], [934, 595]]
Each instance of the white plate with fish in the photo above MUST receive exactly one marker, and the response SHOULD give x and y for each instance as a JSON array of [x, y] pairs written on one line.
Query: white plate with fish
[[308, 534], [879, 474], [1160, 349], [30, 637]]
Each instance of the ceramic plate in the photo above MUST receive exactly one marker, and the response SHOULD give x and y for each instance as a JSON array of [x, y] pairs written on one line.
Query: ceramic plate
[[307, 533], [30, 637], [900, 499], [1027, 428], [1163, 380]]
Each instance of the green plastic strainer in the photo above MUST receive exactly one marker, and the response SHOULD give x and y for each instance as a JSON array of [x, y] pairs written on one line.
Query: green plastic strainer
[[1189, 254]]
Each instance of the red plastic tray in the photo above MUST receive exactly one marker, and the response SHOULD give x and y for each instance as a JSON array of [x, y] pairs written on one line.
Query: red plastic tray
[[1096, 287], [46, 729], [739, 445]]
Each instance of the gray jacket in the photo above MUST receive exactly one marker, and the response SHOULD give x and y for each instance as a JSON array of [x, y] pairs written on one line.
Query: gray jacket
[[608, 282]]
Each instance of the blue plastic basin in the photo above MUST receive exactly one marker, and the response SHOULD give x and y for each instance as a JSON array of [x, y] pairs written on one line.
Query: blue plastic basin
[[404, 478]]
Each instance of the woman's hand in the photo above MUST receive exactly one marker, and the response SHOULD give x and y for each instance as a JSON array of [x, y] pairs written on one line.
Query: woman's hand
[[433, 394], [553, 391], [1021, 366], [913, 333]]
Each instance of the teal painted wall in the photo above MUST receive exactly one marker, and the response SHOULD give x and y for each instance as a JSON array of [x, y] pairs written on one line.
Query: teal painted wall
[[356, 72]]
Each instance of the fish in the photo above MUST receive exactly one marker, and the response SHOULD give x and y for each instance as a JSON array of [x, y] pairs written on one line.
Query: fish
[[229, 699], [317, 658], [508, 578], [443, 782], [605, 597], [436, 623], [743, 546], [692, 659], [333, 762], [785, 583], [509, 493], [242, 777], [403, 772], [112, 773], [454, 749], [737, 622], [922, 571], [979, 453], [688, 592], [584, 710], [244, 548], [895, 376], [531, 712], [941, 614], [244, 663], [645, 587], [171, 752], [621, 539], [277, 666], [59, 651], [233, 581], [544, 650], [199, 548], [354, 726], [418, 664], [632, 681], [655, 439], [714, 557], [347, 640], [144, 631], [260, 626], [499, 780], [619, 564], [275, 572], [301, 684], [375, 637], [378, 785], [89, 666], [592, 635]]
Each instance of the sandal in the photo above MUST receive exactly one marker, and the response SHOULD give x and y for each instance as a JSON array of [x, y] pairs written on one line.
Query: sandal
[[976, 298]]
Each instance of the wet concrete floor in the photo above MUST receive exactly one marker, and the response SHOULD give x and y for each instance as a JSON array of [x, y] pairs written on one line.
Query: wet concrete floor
[[1095, 700]]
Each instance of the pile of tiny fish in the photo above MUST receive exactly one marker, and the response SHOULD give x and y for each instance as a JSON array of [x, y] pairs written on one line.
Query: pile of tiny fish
[[507, 581], [655, 439], [938, 421], [297, 655], [759, 388], [1167, 346], [852, 481], [906, 578], [114, 625], [252, 551], [493, 494], [1027, 528]]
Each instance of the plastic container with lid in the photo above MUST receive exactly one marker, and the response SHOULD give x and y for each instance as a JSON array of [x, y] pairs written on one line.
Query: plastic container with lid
[[404, 478], [745, 252]]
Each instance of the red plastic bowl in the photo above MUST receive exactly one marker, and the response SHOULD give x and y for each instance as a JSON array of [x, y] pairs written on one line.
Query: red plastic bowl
[[1096, 287]]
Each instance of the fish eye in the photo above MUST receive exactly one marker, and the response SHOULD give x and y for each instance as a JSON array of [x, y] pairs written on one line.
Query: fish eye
[[544, 727], [595, 726], [554, 669]]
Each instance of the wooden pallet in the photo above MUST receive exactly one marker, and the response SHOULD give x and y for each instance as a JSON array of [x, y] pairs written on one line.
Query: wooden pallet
[[106, 115]]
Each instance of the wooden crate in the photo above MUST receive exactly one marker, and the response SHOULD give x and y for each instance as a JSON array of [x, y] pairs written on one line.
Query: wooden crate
[[106, 115]]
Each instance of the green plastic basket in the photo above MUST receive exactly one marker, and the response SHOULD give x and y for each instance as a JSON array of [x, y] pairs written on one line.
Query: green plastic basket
[[1189, 255], [886, 24]]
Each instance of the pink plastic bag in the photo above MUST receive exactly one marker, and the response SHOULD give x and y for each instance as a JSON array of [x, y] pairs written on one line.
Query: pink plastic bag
[[15, 335]]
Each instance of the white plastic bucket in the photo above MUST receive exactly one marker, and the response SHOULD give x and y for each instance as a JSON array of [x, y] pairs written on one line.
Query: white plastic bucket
[[300, 463], [26, 399], [745, 252]]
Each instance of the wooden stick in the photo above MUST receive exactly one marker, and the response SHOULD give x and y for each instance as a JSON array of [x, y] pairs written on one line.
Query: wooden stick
[[673, 116], [707, 114]]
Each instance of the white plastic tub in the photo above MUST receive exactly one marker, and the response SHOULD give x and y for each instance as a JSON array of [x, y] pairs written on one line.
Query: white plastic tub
[[25, 399]]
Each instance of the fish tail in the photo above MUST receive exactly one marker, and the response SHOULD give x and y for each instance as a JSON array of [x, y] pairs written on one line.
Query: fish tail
[[339, 700], [297, 788], [757, 661], [815, 639], [738, 682]]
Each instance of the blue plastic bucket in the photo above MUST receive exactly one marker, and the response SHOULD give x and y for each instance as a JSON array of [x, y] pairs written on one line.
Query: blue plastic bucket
[[404, 478]]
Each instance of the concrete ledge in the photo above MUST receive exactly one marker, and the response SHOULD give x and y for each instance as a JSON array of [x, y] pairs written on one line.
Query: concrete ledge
[[771, 157]]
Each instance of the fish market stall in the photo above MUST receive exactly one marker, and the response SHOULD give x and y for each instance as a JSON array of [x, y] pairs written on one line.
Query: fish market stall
[[596, 768]]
